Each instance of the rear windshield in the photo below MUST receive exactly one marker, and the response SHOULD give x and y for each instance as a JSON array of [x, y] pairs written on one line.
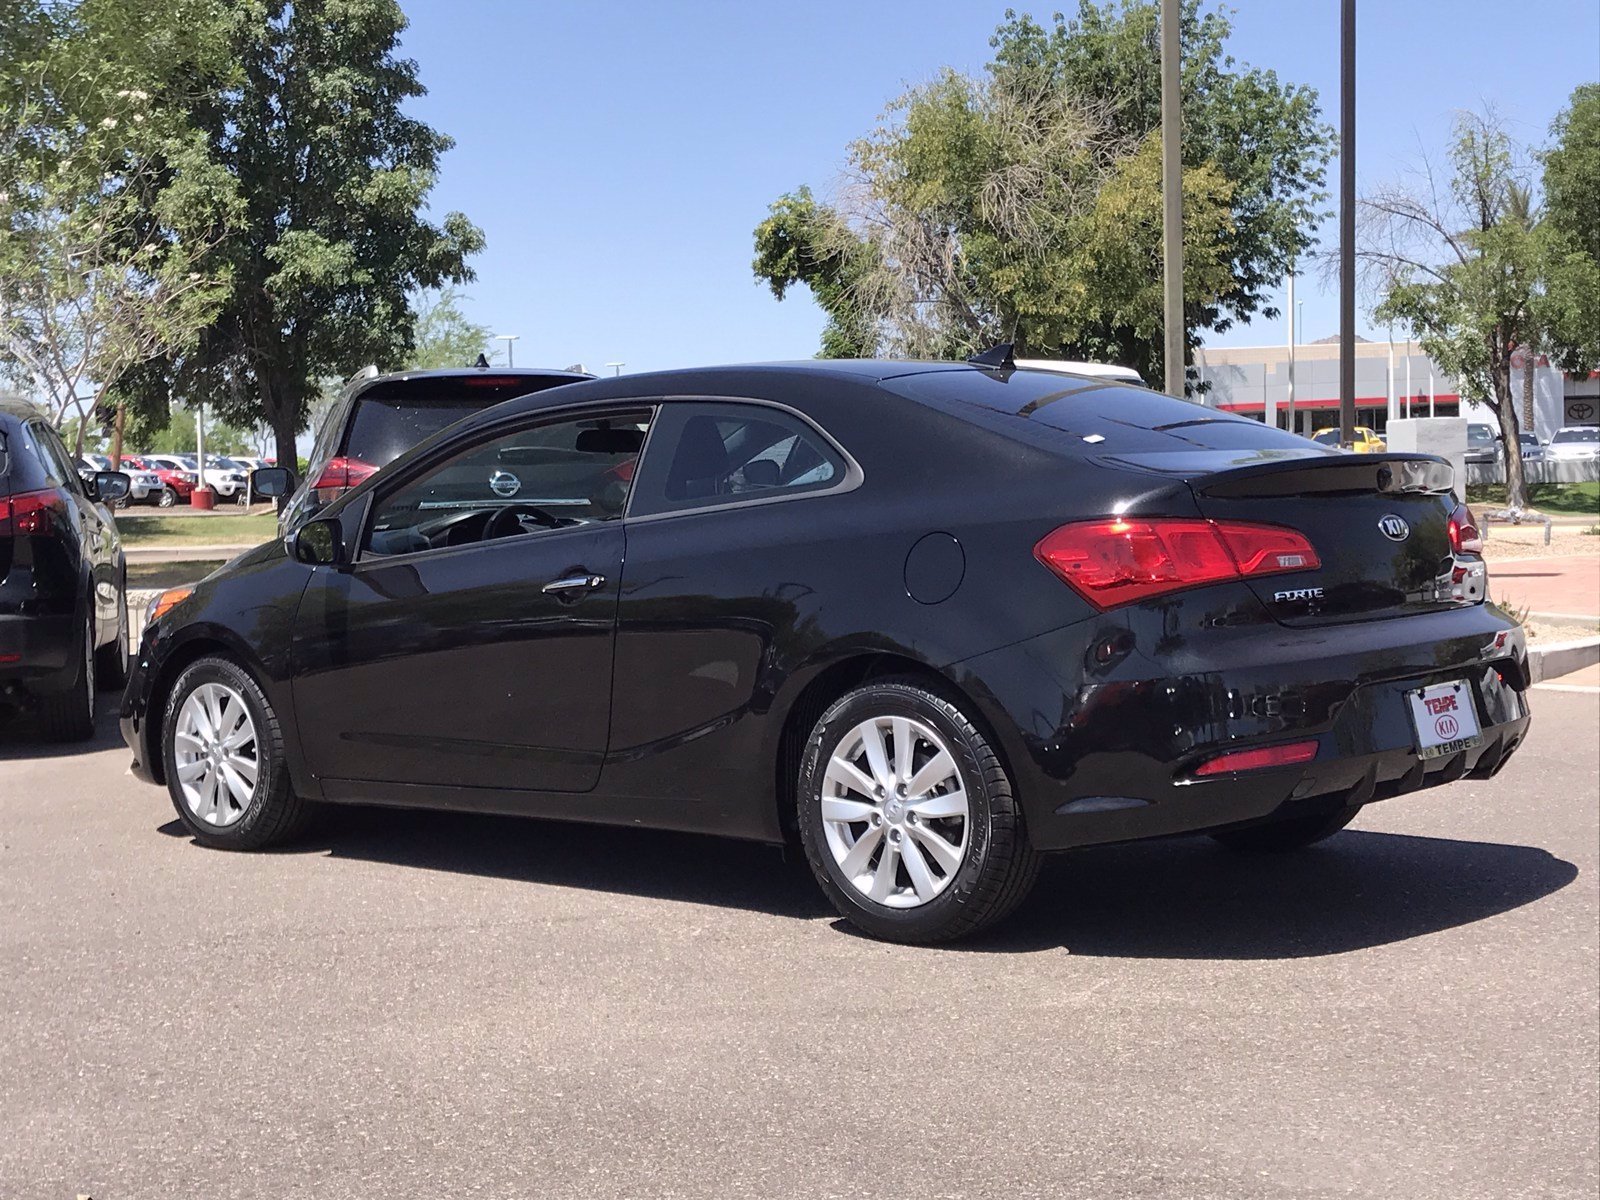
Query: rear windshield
[[1087, 417], [392, 417], [1577, 435]]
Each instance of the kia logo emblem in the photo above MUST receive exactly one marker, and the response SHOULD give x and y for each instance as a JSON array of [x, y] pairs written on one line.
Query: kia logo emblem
[[1394, 528], [504, 483]]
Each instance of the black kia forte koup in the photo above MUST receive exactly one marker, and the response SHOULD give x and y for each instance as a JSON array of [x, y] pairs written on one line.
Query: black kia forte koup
[[930, 619]]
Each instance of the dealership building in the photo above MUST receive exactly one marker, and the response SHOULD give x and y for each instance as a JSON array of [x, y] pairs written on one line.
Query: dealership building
[[1392, 380]]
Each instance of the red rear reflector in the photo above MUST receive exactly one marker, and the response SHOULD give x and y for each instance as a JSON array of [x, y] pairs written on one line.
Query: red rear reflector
[[10, 658], [1254, 760], [1121, 561], [30, 513], [1465, 537]]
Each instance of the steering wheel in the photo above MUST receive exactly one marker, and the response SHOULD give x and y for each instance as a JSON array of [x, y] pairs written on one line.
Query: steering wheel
[[515, 518]]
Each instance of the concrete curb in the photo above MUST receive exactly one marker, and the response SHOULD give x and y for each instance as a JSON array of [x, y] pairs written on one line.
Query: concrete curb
[[165, 554], [1562, 658]]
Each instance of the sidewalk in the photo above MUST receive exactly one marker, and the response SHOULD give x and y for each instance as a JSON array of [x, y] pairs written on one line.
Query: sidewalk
[[1550, 587]]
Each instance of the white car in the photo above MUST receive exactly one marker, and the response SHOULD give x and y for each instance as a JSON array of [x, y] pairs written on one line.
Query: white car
[[1574, 443]]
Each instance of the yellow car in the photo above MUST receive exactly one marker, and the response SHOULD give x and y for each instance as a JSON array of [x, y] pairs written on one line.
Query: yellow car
[[1366, 441]]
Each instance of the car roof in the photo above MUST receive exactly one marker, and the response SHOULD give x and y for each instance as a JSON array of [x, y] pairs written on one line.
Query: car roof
[[16, 406]]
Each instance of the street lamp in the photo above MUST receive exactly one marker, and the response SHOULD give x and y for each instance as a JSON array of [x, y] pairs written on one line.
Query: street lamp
[[507, 338], [616, 367]]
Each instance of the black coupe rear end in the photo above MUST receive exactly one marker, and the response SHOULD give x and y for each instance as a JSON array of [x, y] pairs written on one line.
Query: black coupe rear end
[[929, 619]]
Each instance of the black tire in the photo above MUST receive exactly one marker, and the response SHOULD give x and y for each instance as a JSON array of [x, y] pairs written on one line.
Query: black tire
[[69, 716], [167, 498], [111, 661], [1000, 864], [1293, 833], [275, 814]]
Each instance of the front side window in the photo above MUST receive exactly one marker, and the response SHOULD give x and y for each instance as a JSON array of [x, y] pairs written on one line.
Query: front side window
[[706, 454], [538, 478]]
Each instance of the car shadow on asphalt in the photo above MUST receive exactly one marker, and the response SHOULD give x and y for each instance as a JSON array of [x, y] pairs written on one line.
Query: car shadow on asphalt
[[1175, 898], [1191, 898], [20, 737]]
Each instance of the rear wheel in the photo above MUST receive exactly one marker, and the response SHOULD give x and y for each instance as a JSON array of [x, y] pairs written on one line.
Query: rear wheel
[[1295, 833], [223, 752], [69, 716], [908, 817]]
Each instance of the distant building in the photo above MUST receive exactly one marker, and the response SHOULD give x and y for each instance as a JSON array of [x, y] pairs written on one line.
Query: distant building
[[1254, 381]]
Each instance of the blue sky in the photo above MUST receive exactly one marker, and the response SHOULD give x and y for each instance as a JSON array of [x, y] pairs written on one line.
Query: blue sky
[[618, 155]]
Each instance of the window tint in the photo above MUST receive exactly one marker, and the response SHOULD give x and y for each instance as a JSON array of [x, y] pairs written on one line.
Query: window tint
[[392, 416], [711, 454], [539, 478]]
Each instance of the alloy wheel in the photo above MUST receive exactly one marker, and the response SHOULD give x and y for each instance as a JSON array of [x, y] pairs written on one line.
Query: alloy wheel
[[894, 812], [217, 755]]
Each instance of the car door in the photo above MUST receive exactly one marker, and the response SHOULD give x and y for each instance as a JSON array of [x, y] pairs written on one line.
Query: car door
[[469, 644], [94, 526]]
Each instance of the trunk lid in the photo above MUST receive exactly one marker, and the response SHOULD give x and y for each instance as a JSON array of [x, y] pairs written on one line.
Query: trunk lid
[[1379, 524]]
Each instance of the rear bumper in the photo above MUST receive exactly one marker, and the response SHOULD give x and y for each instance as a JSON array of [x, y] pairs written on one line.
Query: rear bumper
[[1107, 752], [38, 654]]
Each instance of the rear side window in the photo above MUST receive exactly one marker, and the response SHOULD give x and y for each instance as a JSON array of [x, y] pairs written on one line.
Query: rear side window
[[708, 455]]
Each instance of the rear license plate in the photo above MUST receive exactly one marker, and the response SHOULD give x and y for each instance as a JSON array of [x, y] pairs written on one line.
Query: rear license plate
[[1445, 719]]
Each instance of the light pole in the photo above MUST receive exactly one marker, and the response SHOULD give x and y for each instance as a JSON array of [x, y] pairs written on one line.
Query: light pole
[[508, 338], [1171, 197], [1292, 335], [1347, 222], [616, 367]]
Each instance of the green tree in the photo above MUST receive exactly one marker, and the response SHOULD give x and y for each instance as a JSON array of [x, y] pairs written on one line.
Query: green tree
[[109, 207], [1571, 303], [1024, 205], [333, 240], [1462, 268], [442, 336]]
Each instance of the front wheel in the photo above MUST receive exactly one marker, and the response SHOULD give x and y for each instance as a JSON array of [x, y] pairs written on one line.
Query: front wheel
[[908, 817], [167, 498], [1295, 833], [223, 752]]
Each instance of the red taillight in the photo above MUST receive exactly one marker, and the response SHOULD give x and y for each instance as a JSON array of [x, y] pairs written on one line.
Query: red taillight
[[30, 513], [340, 475], [1465, 537], [1121, 561], [1254, 760]]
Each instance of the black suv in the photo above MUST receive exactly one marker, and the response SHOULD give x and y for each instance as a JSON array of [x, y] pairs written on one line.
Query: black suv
[[377, 418], [63, 587]]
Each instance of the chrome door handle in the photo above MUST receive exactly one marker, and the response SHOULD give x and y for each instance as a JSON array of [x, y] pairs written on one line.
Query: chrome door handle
[[572, 584]]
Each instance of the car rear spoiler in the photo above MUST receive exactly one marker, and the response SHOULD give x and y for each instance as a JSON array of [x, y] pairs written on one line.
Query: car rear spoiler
[[1395, 474], [1294, 472]]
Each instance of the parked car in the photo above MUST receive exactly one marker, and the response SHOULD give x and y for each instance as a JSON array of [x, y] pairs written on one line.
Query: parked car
[[379, 417], [1531, 449], [178, 479], [227, 478], [1575, 443], [928, 620], [63, 595], [145, 485], [1483, 443], [1365, 440]]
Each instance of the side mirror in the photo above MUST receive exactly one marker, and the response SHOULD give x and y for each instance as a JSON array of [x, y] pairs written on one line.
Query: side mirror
[[318, 543], [110, 486], [272, 481]]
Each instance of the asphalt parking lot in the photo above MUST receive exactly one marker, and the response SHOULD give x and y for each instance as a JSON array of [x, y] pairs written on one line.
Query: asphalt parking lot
[[427, 1005]]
